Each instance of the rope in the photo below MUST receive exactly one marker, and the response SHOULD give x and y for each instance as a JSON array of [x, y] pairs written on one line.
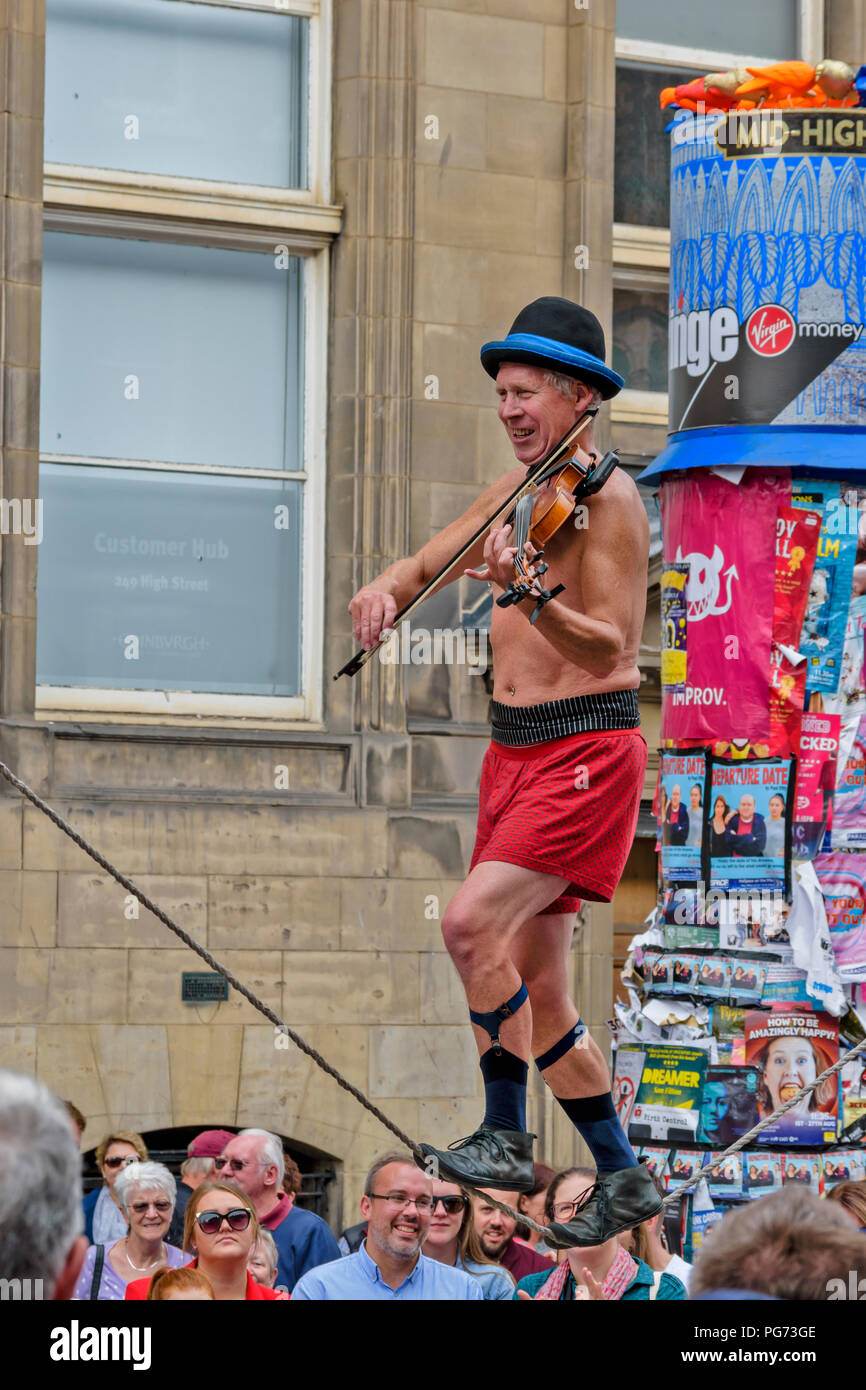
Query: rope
[[331, 1071], [763, 1124], [249, 995]]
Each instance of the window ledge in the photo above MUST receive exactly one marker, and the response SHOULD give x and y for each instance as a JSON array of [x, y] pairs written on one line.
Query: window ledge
[[641, 246], [640, 408], [292, 213]]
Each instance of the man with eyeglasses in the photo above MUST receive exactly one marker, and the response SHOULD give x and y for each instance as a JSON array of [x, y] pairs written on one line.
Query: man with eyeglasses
[[397, 1206], [254, 1160]]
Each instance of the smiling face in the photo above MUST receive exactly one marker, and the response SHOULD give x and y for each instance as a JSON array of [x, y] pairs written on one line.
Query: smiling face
[[395, 1228], [148, 1212], [535, 414], [790, 1065]]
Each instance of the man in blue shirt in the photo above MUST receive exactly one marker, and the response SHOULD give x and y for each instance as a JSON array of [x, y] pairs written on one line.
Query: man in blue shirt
[[397, 1206]]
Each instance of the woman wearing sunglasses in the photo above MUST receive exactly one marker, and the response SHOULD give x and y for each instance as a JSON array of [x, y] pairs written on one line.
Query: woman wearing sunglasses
[[452, 1240], [220, 1228], [145, 1193], [103, 1219]]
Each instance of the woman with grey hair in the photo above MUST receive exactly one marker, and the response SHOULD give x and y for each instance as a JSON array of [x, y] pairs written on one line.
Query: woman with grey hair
[[145, 1193]]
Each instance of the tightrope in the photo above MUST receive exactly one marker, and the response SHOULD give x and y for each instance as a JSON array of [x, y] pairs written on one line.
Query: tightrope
[[324, 1065]]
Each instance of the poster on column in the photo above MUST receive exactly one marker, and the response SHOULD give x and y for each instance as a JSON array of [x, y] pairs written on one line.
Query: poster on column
[[822, 637], [797, 532], [729, 602], [748, 830], [842, 876], [816, 780], [790, 1049], [849, 800], [682, 777], [849, 702]]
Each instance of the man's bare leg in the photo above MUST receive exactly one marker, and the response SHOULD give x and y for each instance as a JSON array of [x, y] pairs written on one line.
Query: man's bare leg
[[574, 1068], [479, 926], [570, 1061]]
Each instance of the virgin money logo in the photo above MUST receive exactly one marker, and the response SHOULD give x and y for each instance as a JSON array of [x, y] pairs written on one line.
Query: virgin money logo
[[770, 330]]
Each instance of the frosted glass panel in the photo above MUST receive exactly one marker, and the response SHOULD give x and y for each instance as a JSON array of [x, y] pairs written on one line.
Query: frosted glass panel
[[164, 581], [767, 29], [164, 87], [181, 354]]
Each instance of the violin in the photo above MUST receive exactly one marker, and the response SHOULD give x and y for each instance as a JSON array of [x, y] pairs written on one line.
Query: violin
[[537, 518], [577, 474]]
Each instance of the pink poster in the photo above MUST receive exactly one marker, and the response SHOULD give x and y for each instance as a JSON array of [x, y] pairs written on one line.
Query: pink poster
[[726, 534]]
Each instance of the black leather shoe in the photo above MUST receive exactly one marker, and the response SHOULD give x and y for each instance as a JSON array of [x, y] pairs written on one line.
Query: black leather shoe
[[497, 1158], [614, 1203]]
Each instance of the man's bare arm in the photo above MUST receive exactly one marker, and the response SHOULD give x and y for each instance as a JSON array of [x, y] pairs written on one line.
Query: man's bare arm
[[613, 566], [374, 607]]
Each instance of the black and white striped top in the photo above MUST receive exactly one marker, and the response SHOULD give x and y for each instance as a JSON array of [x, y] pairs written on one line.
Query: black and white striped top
[[517, 725]]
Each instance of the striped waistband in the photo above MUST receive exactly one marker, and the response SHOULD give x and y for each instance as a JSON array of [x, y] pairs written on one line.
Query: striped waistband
[[517, 725]]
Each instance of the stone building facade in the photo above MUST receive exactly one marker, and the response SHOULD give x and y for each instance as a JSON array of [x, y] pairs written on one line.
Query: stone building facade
[[471, 154]]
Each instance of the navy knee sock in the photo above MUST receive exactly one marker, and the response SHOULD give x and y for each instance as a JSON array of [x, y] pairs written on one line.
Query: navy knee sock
[[504, 1090], [595, 1119]]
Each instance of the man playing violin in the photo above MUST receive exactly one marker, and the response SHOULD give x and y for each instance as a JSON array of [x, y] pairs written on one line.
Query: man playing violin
[[561, 781]]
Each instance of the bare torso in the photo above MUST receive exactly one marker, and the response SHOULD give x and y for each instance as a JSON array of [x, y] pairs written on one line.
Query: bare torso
[[528, 670]]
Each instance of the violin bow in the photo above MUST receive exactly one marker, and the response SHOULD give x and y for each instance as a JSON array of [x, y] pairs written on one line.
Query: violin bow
[[537, 473]]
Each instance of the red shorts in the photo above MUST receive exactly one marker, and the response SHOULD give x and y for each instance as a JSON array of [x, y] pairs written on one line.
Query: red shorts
[[568, 807]]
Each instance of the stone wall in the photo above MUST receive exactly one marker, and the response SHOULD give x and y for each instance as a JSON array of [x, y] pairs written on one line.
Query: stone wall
[[327, 898]]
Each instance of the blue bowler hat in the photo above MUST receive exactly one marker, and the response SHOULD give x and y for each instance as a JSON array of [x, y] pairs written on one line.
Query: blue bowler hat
[[561, 336]]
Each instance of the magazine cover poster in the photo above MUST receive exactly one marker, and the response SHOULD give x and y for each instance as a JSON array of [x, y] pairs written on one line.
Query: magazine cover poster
[[684, 974], [797, 533], [752, 921], [674, 652], [849, 702], [626, 1079], [714, 977], [748, 981], [729, 601], [849, 801], [805, 1169], [684, 1163], [728, 1023], [843, 883], [747, 828], [790, 1048], [657, 973], [681, 814], [815, 781], [844, 1165], [762, 1172], [656, 1161], [727, 1180], [822, 637], [668, 1102], [729, 1104]]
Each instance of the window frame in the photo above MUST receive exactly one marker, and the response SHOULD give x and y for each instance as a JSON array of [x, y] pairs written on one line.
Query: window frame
[[641, 254], [88, 200]]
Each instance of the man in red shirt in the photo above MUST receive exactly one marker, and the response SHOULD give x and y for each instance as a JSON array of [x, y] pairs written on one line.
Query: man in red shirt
[[496, 1233]]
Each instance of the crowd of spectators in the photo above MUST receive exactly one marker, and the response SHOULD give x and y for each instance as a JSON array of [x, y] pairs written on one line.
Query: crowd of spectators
[[230, 1229]]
